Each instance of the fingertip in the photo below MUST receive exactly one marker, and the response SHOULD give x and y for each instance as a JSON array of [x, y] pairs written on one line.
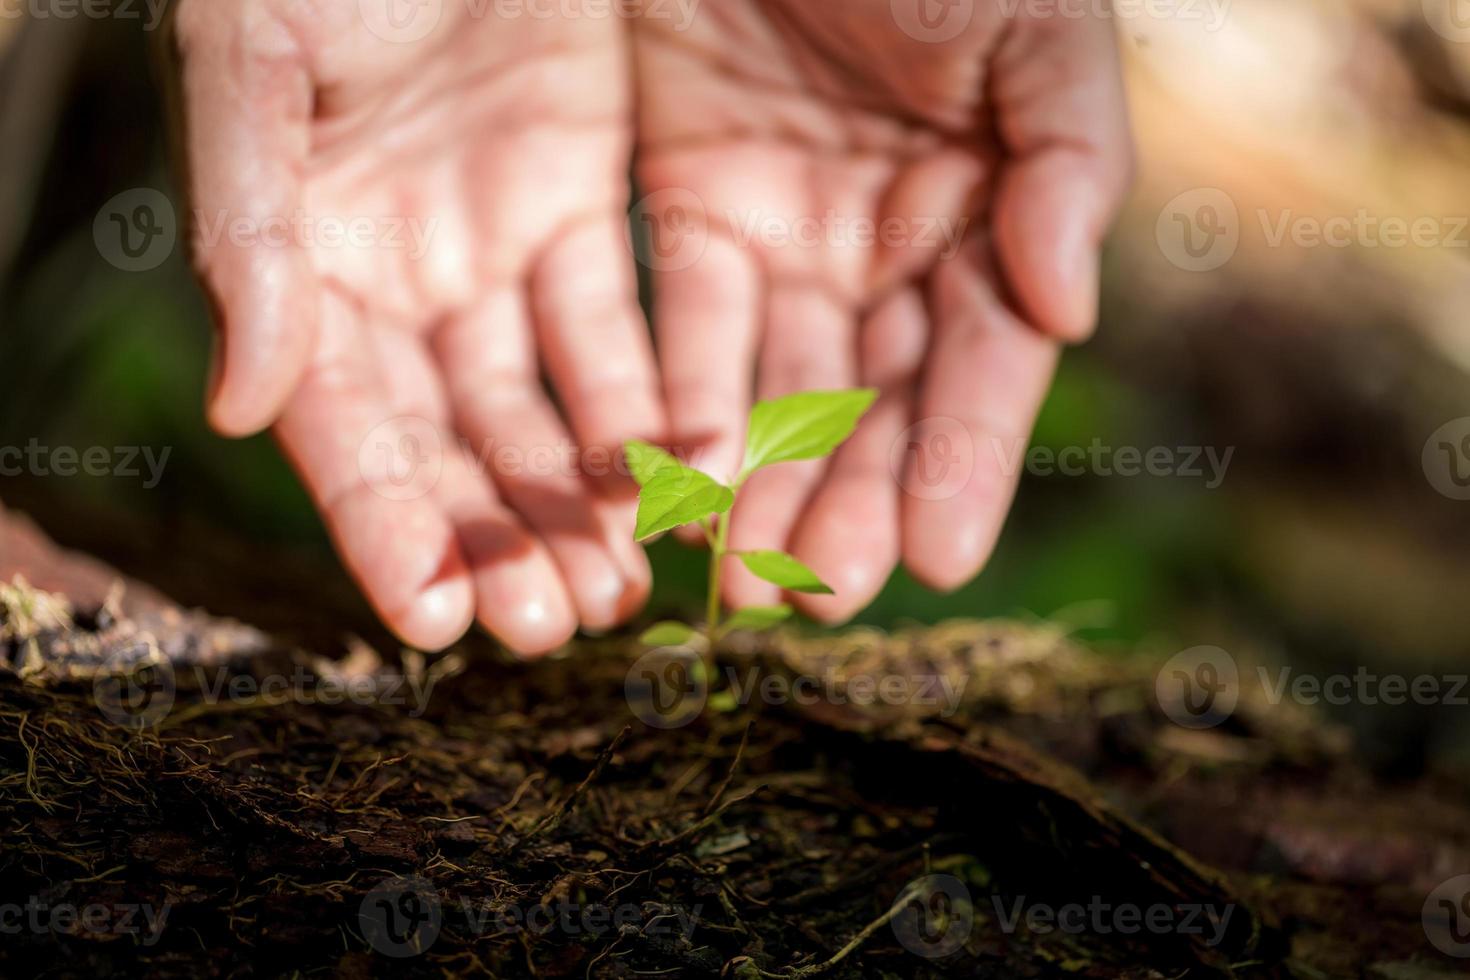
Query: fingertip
[[937, 575], [618, 521], [438, 616], [522, 601], [535, 626], [599, 592], [237, 416], [1072, 317], [829, 610], [853, 557], [691, 535], [252, 378], [854, 582], [637, 586], [1049, 224], [946, 543]]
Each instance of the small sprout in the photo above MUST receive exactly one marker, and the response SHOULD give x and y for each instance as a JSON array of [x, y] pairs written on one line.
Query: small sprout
[[809, 425], [758, 617], [668, 634], [781, 569], [672, 493], [805, 426]]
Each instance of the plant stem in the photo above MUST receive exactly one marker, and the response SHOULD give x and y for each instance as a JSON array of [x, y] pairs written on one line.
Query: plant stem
[[716, 559]]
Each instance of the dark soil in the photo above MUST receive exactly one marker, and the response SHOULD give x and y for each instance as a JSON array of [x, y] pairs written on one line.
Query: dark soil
[[225, 803]]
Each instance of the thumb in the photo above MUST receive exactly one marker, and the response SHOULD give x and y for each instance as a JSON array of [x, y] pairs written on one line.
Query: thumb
[[244, 100], [1063, 123]]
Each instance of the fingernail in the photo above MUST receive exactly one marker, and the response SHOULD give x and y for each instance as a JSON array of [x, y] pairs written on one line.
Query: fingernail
[[1080, 264], [439, 615], [598, 597]]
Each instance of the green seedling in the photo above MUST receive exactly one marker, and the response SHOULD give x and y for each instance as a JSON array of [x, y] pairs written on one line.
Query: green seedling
[[809, 425]]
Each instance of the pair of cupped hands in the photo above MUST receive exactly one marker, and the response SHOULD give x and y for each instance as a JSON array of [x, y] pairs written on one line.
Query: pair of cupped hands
[[987, 143]]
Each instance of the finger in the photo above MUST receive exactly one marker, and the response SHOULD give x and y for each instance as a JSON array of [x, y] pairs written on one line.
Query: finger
[[808, 345], [487, 355], [246, 102], [929, 205], [706, 318], [519, 594], [409, 376], [595, 342], [984, 382], [850, 531], [1062, 119], [849, 534], [393, 537]]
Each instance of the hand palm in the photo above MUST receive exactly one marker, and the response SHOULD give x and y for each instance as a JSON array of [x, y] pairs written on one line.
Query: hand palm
[[506, 141], [503, 149], [870, 207]]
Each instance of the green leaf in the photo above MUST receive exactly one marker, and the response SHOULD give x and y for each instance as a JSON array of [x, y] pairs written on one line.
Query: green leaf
[[672, 493], [646, 459], [722, 701], [783, 570], [808, 425], [757, 617], [667, 634]]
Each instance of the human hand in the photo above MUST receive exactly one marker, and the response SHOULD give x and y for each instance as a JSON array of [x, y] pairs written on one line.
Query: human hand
[[489, 158], [990, 155]]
